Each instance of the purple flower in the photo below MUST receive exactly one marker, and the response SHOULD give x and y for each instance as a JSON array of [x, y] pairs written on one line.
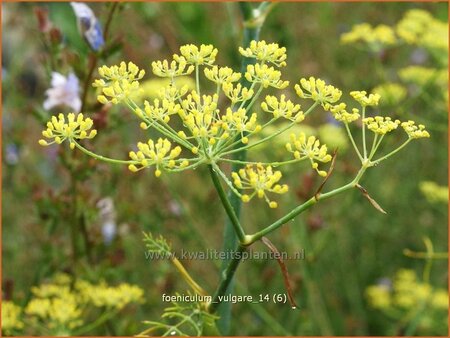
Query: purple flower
[[88, 25], [64, 91]]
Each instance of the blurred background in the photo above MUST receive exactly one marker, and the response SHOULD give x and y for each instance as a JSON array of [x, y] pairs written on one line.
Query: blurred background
[[354, 255]]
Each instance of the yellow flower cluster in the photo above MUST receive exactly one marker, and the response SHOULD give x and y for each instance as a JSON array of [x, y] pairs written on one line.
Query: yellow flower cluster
[[379, 35], [318, 91], [76, 127], [264, 52], [11, 317], [117, 297], [381, 125], [205, 55], [392, 93], [260, 179], [424, 76], [341, 114], [163, 89], [361, 97], [240, 122], [266, 76], [419, 27], [414, 131], [158, 153], [221, 75], [406, 293], [118, 82], [237, 93], [61, 304], [282, 108], [159, 111], [433, 192], [174, 69], [309, 147]]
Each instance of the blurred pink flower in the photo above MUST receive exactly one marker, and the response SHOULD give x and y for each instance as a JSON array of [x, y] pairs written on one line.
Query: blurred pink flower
[[64, 91]]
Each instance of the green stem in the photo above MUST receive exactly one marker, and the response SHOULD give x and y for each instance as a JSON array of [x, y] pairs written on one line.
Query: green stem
[[349, 133], [301, 208], [226, 203], [100, 157], [227, 278], [393, 152], [253, 21], [364, 132], [100, 320]]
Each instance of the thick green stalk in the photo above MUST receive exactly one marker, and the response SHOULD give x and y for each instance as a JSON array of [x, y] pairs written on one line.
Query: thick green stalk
[[253, 22]]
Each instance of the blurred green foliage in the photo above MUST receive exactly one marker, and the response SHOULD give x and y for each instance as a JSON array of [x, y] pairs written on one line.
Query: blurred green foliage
[[348, 244]]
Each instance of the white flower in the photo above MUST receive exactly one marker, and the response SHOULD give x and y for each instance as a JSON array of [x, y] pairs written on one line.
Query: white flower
[[64, 91]]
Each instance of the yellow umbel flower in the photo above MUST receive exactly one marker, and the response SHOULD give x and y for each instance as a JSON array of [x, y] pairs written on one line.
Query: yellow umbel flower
[[414, 131], [264, 52], [237, 93], [424, 76], [118, 297], [158, 153], [392, 93], [118, 82], [11, 320], [200, 116], [260, 179], [221, 75], [419, 27], [62, 310], [282, 108], [159, 111], [381, 125], [309, 147], [205, 55], [76, 127], [361, 97], [380, 35], [239, 121], [174, 69], [341, 114], [267, 76], [317, 90], [379, 296], [433, 192], [163, 88]]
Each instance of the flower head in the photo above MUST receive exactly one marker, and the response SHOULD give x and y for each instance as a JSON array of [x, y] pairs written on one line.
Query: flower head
[[238, 121], [222, 75], [205, 55], [381, 125], [267, 76], [64, 92], [265, 52], [76, 127], [260, 179], [415, 131], [11, 314], [175, 68], [237, 93], [158, 153], [282, 108], [159, 111], [375, 36], [341, 114], [317, 90], [309, 148], [364, 100], [118, 82]]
